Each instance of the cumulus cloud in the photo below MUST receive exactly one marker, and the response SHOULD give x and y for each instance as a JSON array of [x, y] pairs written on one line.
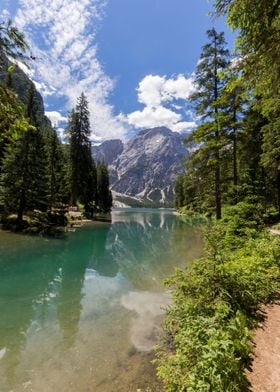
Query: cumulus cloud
[[56, 118], [155, 92], [151, 117], [63, 41]]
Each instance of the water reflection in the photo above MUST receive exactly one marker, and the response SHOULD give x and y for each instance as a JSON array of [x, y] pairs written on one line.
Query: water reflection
[[102, 257], [86, 298], [144, 246], [21, 284], [145, 326]]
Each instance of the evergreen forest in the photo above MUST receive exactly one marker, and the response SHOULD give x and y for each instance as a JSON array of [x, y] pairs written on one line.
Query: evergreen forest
[[235, 147], [41, 176]]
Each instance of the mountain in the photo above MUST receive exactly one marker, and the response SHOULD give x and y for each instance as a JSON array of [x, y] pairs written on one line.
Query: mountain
[[108, 151], [144, 171], [20, 83]]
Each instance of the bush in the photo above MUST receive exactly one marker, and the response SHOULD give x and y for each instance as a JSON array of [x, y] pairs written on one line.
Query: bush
[[206, 344]]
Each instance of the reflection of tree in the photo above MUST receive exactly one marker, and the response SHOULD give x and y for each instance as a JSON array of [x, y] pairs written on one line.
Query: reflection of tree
[[69, 299], [101, 259], [25, 276], [85, 249]]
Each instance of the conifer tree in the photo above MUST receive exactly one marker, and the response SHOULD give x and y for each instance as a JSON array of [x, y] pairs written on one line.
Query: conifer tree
[[104, 195], [258, 26], [57, 169], [179, 195], [24, 176], [210, 133], [12, 41], [83, 169]]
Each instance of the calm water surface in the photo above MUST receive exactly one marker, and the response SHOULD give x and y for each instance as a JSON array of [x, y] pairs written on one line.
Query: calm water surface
[[81, 313]]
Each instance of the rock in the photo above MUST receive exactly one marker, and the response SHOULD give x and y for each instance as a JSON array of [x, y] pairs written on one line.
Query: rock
[[108, 151]]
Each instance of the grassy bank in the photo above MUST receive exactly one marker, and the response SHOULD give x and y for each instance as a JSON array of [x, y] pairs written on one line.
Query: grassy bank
[[216, 303]]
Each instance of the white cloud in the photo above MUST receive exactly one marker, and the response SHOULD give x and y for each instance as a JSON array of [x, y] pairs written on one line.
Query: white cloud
[[154, 92], [151, 117], [5, 14], [56, 118], [183, 126], [61, 133], [62, 39]]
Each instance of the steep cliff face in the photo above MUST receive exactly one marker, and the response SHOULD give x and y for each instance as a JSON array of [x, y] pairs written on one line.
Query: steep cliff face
[[108, 151], [20, 83], [144, 172]]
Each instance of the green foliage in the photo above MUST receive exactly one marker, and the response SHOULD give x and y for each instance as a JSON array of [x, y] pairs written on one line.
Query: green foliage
[[83, 169], [206, 343], [179, 194], [258, 40], [104, 195], [12, 41], [236, 153], [258, 26], [240, 223], [12, 121], [209, 135], [58, 169], [37, 172], [33, 163], [24, 176]]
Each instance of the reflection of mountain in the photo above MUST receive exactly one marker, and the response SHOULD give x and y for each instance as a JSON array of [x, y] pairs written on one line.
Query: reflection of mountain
[[143, 246]]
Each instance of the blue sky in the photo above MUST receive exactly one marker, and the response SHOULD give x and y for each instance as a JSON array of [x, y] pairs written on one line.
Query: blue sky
[[134, 59]]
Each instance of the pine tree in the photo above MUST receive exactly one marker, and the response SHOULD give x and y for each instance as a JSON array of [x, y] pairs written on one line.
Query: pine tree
[[179, 196], [258, 27], [210, 134], [58, 167], [24, 176], [104, 195], [83, 169], [271, 155], [12, 42]]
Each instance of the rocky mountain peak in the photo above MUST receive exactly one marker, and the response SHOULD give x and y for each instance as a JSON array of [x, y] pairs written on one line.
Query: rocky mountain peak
[[146, 168]]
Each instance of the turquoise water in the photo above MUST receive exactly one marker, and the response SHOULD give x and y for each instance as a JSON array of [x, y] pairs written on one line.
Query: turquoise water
[[81, 313]]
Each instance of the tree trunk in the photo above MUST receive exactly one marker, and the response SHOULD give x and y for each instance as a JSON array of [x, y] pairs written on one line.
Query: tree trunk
[[21, 207], [278, 191], [235, 175], [218, 196]]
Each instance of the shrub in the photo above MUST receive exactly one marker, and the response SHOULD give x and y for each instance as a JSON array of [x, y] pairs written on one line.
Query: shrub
[[206, 344]]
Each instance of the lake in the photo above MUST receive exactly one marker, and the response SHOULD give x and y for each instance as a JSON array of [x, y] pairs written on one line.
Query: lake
[[82, 312]]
